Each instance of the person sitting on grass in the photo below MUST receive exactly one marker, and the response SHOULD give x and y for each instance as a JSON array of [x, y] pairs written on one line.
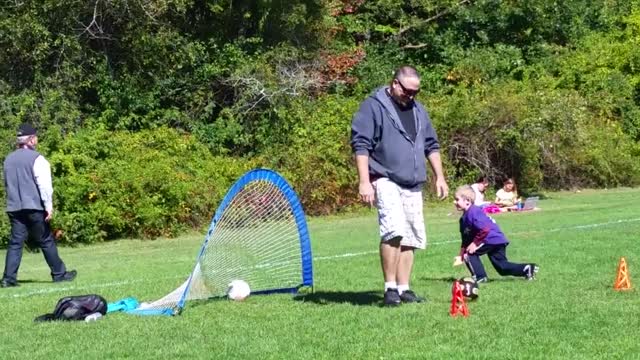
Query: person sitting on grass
[[482, 236], [507, 197], [479, 188]]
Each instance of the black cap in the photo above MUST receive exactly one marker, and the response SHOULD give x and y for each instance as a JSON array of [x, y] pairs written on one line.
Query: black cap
[[26, 130]]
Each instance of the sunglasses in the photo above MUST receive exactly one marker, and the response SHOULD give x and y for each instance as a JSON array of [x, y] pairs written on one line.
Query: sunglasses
[[408, 92]]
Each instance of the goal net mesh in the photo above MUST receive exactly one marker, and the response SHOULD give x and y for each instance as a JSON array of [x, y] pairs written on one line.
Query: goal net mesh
[[258, 235]]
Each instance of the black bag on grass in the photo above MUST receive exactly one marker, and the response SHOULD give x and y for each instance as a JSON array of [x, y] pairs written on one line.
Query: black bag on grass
[[76, 308]]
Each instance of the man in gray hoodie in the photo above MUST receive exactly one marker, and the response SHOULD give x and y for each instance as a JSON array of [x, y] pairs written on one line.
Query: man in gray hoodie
[[390, 135]]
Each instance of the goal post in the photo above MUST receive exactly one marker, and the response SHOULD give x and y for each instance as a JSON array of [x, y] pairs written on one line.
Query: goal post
[[258, 234]]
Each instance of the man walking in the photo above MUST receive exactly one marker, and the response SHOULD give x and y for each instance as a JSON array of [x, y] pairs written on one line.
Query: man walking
[[29, 193], [390, 135]]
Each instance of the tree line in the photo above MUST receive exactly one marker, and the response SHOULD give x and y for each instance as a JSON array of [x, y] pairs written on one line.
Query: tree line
[[148, 110]]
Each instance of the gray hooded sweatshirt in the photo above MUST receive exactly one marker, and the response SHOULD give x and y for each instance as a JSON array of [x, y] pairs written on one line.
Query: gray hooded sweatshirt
[[376, 131]]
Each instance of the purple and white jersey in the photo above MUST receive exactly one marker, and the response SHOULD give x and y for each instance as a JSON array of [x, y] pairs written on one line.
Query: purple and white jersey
[[477, 227]]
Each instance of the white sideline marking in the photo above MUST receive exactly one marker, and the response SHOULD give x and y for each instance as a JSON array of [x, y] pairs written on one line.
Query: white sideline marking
[[67, 288], [317, 258], [344, 255], [589, 226]]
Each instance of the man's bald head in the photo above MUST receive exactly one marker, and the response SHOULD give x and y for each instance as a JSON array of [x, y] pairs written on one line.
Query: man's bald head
[[405, 72]]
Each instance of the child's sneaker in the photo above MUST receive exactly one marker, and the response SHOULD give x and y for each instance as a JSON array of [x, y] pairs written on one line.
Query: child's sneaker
[[408, 296], [392, 297], [482, 280], [530, 271]]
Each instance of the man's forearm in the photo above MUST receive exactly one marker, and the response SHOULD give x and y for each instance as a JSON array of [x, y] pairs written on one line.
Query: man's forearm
[[362, 163], [436, 164]]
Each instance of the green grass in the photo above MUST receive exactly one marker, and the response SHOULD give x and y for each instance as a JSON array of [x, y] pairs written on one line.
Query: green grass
[[570, 311]]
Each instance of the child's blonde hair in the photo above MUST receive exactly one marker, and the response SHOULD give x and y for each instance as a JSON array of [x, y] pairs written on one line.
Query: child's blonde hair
[[466, 192]]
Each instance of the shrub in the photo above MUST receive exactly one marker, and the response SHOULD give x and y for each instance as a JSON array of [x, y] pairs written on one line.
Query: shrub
[[317, 159], [546, 138], [146, 184]]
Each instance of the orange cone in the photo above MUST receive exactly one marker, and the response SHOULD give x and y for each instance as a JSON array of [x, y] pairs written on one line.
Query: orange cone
[[622, 279], [458, 306]]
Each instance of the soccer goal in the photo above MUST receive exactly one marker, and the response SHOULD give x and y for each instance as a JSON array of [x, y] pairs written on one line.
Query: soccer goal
[[258, 234]]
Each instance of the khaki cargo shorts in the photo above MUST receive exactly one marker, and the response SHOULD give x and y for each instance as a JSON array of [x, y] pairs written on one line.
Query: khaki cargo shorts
[[400, 213]]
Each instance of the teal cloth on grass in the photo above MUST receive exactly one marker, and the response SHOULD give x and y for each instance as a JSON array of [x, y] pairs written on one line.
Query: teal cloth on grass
[[125, 304]]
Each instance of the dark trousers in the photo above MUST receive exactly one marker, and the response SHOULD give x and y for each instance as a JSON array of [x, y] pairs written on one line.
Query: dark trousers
[[498, 257], [23, 224]]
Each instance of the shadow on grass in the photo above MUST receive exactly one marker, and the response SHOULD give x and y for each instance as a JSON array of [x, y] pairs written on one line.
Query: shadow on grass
[[28, 281], [443, 279], [451, 279], [362, 298], [200, 302]]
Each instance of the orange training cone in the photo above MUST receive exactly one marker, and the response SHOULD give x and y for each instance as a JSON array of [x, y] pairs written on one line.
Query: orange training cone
[[622, 279], [458, 306]]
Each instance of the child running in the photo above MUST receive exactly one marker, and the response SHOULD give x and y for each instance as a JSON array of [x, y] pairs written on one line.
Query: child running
[[482, 236]]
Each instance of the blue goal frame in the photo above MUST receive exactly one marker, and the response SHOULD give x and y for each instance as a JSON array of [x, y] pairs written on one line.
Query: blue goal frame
[[298, 213]]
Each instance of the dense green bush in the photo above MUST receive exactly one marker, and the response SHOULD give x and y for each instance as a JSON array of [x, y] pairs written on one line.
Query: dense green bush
[[144, 184], [317, 159], [544, 138], [547, 92]]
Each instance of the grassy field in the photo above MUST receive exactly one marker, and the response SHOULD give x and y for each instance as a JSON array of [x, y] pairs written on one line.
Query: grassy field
[[569, 312]]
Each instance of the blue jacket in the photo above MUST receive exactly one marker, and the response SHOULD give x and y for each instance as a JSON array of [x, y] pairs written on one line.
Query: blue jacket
[[376, 131]]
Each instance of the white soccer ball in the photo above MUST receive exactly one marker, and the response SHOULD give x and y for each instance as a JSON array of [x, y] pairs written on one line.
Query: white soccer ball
[[238, 290]]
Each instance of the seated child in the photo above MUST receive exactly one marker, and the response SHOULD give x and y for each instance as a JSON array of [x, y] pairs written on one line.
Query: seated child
[[480, 236], [507, 197], [479, 188]]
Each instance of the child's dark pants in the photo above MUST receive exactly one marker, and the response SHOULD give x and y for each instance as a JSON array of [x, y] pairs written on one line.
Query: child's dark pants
[[498, 257]]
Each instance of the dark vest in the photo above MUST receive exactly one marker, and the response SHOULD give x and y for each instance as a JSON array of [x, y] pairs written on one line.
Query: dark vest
[[19, 182]]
